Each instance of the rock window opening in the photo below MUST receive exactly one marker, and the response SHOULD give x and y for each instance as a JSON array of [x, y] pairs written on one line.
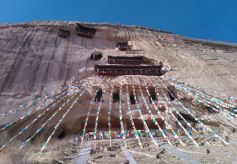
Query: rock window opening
[[172, 93], [172, 98], [152, 93], [62, 134], [116, 96], [132, 98], [63, 33], [188, 118], [124, 46], [96, 55], [84, 31], [98, 95]]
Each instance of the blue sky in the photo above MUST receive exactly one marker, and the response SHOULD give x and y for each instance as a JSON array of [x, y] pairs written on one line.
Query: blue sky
[[205, 19]]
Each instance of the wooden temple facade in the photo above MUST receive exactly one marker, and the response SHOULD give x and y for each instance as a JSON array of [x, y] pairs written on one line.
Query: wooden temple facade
[[115, 70], [123, 46], [83, 31], [63, 32], [134, 60]]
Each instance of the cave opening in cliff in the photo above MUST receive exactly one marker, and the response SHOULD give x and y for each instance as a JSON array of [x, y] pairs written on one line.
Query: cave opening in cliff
[[172, 92], [62, 134], [152, 93], [172, 98], [132, 98], [98, 95], [63, 33], [96, 55], [188, 118], [116, 96], [211, 109], [84, 31], [124, 46]]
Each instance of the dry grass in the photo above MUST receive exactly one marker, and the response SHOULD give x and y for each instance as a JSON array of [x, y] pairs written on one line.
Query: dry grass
[[31, 153]]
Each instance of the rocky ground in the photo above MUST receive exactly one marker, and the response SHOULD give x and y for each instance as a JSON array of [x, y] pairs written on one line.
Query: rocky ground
[[65, 151]]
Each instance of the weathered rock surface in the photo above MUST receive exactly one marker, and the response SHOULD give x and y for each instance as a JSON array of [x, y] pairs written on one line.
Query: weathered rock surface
[[35, 61], [33, 57]]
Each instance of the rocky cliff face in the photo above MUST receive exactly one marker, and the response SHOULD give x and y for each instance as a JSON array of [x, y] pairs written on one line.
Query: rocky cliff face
[[35, 61], [40, 71]]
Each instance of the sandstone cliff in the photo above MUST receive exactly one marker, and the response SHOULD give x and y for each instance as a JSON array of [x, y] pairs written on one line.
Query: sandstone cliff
[[35, 61]]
